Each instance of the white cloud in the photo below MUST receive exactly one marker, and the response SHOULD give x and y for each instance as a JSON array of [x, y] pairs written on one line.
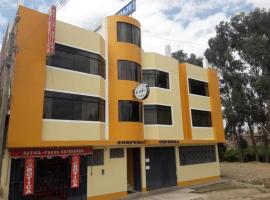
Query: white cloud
[[183, 24], [3, 20]]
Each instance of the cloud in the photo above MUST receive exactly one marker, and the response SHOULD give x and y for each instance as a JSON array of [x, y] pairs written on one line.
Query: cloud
[[3, 20], [183, 24]]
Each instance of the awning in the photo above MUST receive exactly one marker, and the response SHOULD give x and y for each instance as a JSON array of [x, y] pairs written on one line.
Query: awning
[[49, 152]]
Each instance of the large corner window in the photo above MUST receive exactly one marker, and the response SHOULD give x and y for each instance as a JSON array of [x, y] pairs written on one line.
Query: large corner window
[[198, 87], [157, 114], [130, 111], [201, 118], [190, 155], [128, 33], [65, 106], [156, 78], [78, 60], [128, 70]]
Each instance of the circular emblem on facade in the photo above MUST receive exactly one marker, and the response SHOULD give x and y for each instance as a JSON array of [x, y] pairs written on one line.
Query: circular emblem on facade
[[141, 91]]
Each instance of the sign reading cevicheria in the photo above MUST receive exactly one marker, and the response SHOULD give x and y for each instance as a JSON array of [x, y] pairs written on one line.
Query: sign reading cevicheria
[[29, 172], [141, 91]]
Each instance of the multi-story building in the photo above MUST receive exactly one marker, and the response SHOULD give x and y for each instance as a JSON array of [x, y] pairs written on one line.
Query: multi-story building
[[77, 130]]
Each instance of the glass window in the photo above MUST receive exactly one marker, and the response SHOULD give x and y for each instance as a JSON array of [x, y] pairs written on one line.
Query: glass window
[[156, 78], [117, 153], [59, 105], [130, 111], [128, 70], [201, 118], [157, 114], [190, 155], [198, 87], [78, 60], [128, 33], [97, 158]]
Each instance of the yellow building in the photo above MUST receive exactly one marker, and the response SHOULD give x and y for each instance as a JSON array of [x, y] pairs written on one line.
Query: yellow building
[[78, 108]]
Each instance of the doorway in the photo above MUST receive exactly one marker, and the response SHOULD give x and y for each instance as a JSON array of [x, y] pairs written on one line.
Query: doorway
[[133, 170]]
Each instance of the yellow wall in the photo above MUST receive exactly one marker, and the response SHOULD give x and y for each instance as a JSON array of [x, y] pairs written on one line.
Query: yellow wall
[[201, 133], [114, 180], [66, 130], [160, 96], [79, 38], [75, 82], [5, 174], [198, 171], [121, 89]]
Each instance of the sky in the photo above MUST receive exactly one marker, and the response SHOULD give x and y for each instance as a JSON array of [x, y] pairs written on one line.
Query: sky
[[182, 24]]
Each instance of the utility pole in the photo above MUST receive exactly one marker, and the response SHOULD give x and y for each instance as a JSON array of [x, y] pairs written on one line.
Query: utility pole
[[8, 54]]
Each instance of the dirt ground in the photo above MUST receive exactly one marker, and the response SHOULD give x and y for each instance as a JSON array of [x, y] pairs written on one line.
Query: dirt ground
[[243, 181]]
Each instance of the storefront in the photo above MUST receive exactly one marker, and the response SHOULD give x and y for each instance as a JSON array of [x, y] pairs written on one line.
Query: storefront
[[57, 173]]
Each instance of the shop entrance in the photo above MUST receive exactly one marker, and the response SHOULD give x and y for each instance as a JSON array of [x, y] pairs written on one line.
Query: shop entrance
[[52, 180], [133, 170], [160, 167]]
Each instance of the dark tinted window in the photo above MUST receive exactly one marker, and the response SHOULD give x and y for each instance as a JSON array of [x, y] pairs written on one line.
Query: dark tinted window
[[97, 158], [198, 87], [117, 153], [77, 60], [201, 118], [128, 33], [156, 78], [130, 111], [128, 70], [190, 155], [157, 114], [58, 105]]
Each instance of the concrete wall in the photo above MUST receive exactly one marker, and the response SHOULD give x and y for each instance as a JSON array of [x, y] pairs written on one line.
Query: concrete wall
[[5, 176]]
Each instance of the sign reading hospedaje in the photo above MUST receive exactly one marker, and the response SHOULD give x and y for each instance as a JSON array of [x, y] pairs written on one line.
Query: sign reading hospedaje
[[128, 9]]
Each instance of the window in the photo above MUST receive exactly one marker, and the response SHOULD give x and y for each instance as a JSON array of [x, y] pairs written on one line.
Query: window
[[78, 60], [97, 158], [128, 70], [156, 78], [128, 33], [190, 155], [58, 105], [198, 87], [157, 114], [117, 153], [201, 118], [130, 111]]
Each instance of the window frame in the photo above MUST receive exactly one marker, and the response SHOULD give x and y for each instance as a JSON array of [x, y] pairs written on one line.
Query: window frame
[[140, 113], [205, 86], [155, 73], [210, 114], [158, 108], [137, 72], [134, 37]]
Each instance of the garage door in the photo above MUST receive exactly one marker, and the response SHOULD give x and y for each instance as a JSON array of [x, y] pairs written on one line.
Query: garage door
[[160, 167]]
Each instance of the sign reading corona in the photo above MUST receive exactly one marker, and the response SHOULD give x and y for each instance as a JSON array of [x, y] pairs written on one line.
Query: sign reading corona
[[75, 171], [51, 31], [128, 9], [29, 174], [141, 91]]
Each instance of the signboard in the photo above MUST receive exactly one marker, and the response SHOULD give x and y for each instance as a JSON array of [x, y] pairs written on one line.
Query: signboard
[[20, 153], [141, 91], [51, 31], [128, 9], [75, 171], [29, 175]]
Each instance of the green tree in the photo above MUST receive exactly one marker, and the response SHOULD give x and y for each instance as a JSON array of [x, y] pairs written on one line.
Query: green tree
[[241, 52], [183, 57]]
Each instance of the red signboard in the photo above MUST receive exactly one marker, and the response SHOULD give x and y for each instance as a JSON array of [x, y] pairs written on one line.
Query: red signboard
[[46, 152], [75, 171], [29, 174], [51, 31]]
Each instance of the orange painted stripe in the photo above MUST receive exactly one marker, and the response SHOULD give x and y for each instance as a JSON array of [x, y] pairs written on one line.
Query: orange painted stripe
[[216, 112], [110, 196], [198, 181], [185, 101]]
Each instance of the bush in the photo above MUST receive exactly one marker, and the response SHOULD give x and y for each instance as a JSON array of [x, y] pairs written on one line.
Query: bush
[[231, 155]]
